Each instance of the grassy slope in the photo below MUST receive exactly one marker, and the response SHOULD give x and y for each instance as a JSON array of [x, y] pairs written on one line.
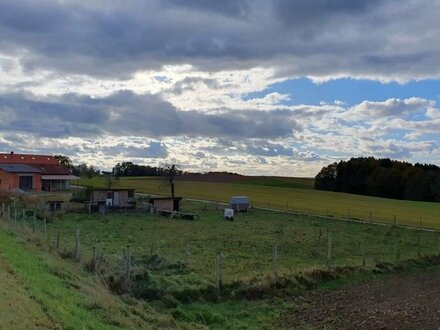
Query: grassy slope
[[41, 290], [17, 308], [303, 200]]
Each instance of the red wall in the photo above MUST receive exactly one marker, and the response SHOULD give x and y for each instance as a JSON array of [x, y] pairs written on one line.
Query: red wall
[[11, 181]]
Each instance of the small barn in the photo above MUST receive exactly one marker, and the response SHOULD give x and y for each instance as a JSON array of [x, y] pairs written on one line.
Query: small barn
[[165, 204], [239, 203], [111, 198]]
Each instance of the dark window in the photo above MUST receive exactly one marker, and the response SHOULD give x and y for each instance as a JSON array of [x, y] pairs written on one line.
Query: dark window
[[130, 193], [54, 206], [26, 182]]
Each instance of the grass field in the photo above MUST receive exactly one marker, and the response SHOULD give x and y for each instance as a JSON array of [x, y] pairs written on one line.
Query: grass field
[[245, 242], [171, 293], [271, 193]]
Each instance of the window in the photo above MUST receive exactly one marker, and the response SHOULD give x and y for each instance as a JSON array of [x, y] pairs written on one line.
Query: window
[[54, 206], [131, 193]]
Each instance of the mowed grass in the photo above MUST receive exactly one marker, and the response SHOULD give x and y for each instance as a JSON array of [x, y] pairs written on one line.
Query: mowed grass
[[293, 199], [246, 243]]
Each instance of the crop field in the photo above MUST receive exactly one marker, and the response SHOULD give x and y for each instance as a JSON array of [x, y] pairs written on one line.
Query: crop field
[[279, 194]]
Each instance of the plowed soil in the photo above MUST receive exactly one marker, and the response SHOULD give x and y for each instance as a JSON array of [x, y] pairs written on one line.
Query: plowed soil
[[401, 301]]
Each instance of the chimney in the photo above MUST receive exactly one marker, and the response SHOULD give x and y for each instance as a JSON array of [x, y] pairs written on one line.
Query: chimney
[[12, 152]]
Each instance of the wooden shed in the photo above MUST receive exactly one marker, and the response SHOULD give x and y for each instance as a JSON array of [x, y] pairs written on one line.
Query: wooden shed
[[112, 198], [239, 203], [165, 204]]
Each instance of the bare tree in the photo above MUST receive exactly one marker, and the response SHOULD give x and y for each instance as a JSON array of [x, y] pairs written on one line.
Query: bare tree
[[172, 171]]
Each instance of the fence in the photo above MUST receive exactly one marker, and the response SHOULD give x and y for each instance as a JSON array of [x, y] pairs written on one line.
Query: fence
[[225, 261]]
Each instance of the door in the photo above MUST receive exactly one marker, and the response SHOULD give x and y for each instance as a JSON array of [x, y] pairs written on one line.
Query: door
[[116, 198], [26, 182]]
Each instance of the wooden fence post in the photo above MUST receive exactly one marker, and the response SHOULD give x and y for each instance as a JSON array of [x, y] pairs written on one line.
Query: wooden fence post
[[275, 261], [363, 252], [438, 242], [77, 245], [219, 271], [58, 240], [186, 253], [44, 228], [419, 253], [127, 263], [329, 249], [94, 258], [396, 250]]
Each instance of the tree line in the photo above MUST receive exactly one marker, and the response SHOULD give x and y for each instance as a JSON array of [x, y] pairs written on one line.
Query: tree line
[[82, 169], [131, 169], [383, 178]]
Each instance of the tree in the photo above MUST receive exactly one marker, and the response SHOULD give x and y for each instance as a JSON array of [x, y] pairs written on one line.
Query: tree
[[172, 171], [64, 161], [326, 178]]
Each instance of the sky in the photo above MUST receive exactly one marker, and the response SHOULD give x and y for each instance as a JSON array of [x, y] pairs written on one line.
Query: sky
[[257, 87]]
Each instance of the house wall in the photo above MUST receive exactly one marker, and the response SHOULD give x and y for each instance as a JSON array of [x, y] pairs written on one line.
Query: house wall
[[11, 181], [120, 198], [240, 207], [7, 180], [164, 204]]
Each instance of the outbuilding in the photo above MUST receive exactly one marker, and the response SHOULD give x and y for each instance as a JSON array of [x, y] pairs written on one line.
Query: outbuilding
[[239, 203], [165, 204], [111, 198]]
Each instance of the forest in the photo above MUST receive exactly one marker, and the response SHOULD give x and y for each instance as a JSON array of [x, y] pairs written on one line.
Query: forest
[[383, 178]]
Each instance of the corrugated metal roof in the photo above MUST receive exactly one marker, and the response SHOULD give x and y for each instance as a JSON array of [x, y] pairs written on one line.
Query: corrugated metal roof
[[18, 168], [239, 200]]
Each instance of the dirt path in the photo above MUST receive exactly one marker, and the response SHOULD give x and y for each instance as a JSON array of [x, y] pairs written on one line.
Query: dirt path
[[18, 310], [402, 301]]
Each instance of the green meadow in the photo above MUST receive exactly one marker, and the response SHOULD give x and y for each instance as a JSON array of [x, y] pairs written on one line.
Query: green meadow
[[288, 194], [246, 243]]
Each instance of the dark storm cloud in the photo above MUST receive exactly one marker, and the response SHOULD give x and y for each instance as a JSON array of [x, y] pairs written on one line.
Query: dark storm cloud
[[298, 37], [126, 113]]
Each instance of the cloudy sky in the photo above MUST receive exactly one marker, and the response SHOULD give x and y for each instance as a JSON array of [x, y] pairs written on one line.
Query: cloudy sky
[[272, 87]]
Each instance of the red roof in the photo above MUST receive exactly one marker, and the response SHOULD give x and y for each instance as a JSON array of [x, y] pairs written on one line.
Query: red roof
[[50, 169], [12, 158]]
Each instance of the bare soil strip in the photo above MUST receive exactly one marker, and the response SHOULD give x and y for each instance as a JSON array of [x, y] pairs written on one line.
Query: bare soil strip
[[399, 301]]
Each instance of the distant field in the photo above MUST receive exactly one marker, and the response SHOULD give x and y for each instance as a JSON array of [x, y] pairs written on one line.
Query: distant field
[[292, 199]]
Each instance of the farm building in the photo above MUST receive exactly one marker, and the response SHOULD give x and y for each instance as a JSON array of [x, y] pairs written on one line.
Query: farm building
[[111, 198], [239, 203], [33, 173], [167, 204]]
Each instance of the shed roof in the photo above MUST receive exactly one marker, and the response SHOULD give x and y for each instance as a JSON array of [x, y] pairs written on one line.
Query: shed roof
[[112, 189], [239, 200], [164, 198], [18, 168]]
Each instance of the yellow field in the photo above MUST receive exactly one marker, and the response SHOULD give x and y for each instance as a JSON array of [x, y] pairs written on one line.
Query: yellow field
[[293, 199]]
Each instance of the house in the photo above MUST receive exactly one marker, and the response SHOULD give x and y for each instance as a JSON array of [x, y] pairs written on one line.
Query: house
[[33, 173], [239, 203], [102, 198], [165, 204]]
